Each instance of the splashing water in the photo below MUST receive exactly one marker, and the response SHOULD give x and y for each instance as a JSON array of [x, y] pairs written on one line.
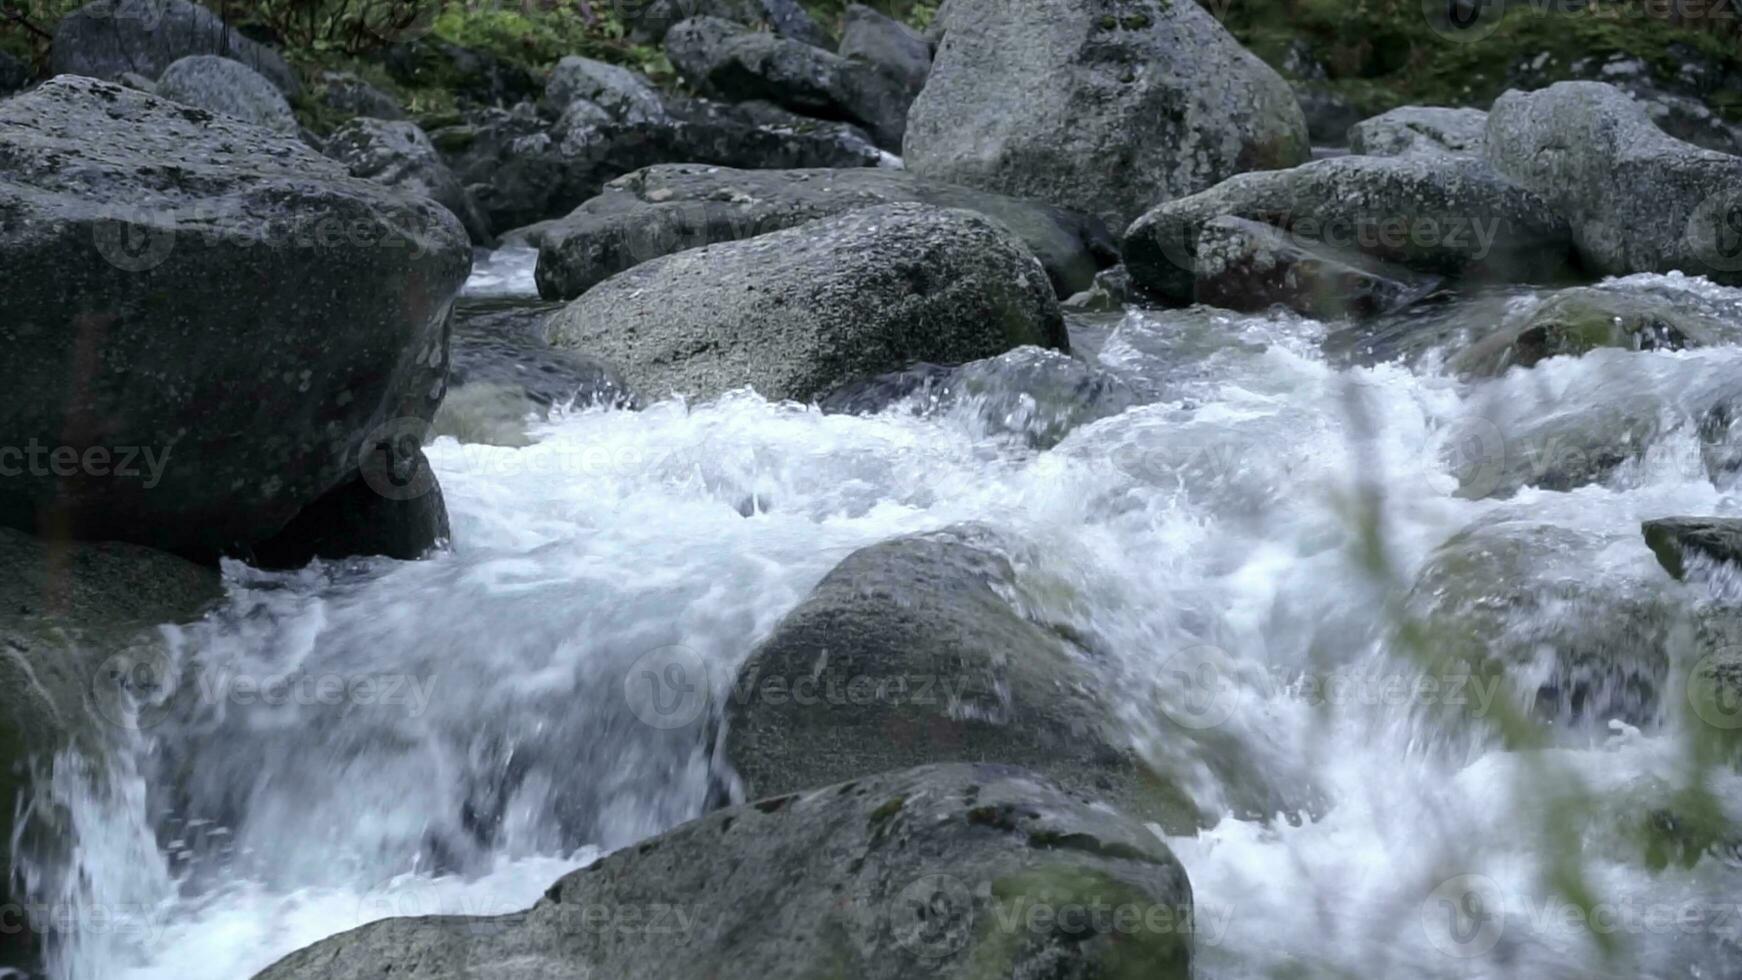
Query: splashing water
[[481, 737]]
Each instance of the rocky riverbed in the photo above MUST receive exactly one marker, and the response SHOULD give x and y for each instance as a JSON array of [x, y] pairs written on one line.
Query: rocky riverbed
[[962, 502]]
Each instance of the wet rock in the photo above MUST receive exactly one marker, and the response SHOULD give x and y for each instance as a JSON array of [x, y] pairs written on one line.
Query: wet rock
[[509, 163], [204, 416], [1516, 600], [138, 83], [796, 313], [346, 93], [787, 18], [229, 87], [398, 154], [1577, 321], [1555, 449], [1038, 395], [1674, 540], [394, 511], [623, 94], [1105, 108], [931, 872], [762, 135], [73, 616], [1109, 293], [107, 38], [910, 652], [523, 170], [896, 49], [666, 209], [1249, 266], [1638, 199], [527, 236], [429, 62], [1422, 129], [1445, 216], [504, 373], [734, 63]]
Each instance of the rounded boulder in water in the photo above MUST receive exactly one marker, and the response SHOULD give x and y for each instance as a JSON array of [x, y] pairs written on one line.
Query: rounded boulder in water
[[946, 871]]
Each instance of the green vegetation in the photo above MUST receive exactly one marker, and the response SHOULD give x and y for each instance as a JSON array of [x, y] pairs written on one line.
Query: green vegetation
[[348, 35], [1380, 54]]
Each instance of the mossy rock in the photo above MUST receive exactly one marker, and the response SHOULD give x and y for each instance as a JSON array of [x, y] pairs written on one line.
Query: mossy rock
[[1511, 605], [949, 872], [1577, 321]]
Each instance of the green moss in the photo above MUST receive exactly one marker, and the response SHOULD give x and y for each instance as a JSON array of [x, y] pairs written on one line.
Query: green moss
[[889, 808], [1381, 54], [1066, 906]]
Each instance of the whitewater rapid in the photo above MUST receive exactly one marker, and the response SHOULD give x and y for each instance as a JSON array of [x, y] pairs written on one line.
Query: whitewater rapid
[[1218, 526]]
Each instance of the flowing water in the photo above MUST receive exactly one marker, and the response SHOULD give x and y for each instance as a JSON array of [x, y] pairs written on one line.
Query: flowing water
[[374, 738]]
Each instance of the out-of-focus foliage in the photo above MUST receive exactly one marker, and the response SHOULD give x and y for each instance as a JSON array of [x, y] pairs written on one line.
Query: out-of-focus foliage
[[1384, 53]]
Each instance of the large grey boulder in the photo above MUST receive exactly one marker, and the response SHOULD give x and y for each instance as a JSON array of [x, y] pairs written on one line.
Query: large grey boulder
[[1421, 129], [398, 154], [523, 170], [1638, 199], [728, 61], [877, 39], [950, 871], [666, 209], [623, 94], [1447, 216], [1680, 92], [1249, 265], [651, 20], [910, 652], [229, 87], [1106, 107], [204, 415], [108, 38], [74, 619], [796, 313]]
